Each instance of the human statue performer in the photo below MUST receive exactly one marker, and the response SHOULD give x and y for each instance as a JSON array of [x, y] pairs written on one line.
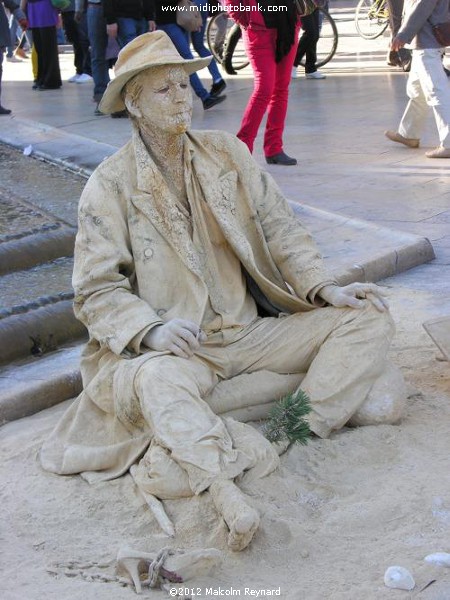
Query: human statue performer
[[183, 244]]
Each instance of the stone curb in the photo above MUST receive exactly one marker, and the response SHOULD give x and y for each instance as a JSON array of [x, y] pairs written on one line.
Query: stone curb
[[68, 150], [42, 383], [37, 248], [38, 330]]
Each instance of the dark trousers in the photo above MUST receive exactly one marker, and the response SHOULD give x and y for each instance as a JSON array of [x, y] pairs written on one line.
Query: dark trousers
[[44, 39], [307, 43], [76, 34]]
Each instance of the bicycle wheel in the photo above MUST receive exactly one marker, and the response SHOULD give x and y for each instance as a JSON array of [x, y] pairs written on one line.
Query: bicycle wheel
[[223, 35], [371, 18], [216, 32], [328, 40]]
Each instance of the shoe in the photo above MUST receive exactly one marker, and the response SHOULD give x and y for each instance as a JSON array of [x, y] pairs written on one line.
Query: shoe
[[4, 111], [98, 112], [281, 159], [439, 152], [211, 101], [294, 74], [315, 75], [120, 114], [394, 136], [405, 59], [73, 79], [217, 88], [83, 78], [134, 563], [20, 52], [176, 566], [35, 85], [13, 59]]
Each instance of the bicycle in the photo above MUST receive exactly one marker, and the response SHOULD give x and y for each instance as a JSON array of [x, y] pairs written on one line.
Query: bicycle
[[224, 38], [371, 18]]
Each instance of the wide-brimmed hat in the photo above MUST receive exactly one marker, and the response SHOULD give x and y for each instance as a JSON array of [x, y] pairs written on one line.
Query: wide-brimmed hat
[[154, 49]]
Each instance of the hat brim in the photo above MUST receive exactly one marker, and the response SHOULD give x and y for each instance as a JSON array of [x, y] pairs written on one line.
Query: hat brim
[[112, 101]]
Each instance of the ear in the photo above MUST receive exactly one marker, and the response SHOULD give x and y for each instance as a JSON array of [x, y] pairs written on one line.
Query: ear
[[131, 107]]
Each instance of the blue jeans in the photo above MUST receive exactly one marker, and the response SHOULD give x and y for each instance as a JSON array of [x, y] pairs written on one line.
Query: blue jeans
[[128, 29], [198, 41], [96, 25], [180, 39]]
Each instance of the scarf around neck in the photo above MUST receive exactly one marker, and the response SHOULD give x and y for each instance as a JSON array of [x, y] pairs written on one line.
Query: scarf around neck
[[283, 21]]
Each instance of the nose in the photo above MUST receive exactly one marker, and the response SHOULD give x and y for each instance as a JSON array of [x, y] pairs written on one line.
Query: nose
[[180, 93]]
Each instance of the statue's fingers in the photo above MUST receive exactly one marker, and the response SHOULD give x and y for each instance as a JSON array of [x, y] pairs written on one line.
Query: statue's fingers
[[376, 289], [181, 349], [191, 340], [379, 302]]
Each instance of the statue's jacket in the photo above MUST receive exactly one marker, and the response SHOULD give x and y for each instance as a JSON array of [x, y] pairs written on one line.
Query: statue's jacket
[[136, 267]]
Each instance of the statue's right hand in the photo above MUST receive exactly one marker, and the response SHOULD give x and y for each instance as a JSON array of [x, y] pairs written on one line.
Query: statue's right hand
[[178, 336]]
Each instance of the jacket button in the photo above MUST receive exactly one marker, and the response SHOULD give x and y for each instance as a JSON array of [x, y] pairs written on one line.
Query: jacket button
[[148, 253]]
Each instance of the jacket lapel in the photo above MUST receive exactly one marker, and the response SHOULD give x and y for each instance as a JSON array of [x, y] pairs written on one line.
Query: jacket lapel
[[219, 190]]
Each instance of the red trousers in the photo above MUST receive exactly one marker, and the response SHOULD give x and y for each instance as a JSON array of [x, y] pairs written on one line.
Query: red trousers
[[270, 90]]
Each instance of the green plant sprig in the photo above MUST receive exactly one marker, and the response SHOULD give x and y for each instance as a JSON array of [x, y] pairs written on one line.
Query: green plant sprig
[[286, 419]]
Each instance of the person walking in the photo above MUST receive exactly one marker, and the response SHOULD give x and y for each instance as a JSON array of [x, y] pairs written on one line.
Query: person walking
[[126, 19], [75, 28], [43, 19], [166, 19], [198, 42], [270, 42], [307, 46], [5, 37], [428, 84]]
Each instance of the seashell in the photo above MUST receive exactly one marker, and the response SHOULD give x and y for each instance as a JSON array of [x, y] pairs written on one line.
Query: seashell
[[441, 559], [399, 578]]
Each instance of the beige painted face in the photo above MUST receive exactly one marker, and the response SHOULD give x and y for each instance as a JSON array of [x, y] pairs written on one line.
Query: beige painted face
[[165, 100]]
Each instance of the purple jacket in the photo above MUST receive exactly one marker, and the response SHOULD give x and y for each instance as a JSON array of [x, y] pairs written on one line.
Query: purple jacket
[[41, 13]]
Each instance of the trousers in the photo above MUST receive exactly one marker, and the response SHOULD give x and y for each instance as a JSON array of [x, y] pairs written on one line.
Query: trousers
[[96, 26], [270, 90], [342, 351], [428, 86]]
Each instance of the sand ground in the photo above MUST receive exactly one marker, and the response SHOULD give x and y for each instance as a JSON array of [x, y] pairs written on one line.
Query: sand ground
[[334, 517]]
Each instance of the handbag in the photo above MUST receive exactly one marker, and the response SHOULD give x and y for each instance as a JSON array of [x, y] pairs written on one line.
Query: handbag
[[188, 16], [442, 33], [60, 4]]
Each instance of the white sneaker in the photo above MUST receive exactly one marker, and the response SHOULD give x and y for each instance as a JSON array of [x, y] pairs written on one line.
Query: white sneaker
[[315, 75], [13, 59], [84, 78], [294, 74], [73, 79]]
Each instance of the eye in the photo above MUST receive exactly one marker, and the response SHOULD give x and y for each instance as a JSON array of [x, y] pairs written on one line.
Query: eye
[[163, 90], [183, 86]]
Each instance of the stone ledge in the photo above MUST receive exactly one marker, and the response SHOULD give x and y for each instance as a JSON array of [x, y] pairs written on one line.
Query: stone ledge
[[30, 386], [53, 325], [355, 250]]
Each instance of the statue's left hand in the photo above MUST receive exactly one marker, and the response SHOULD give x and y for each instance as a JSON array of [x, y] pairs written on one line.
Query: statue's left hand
[[355, 295]]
